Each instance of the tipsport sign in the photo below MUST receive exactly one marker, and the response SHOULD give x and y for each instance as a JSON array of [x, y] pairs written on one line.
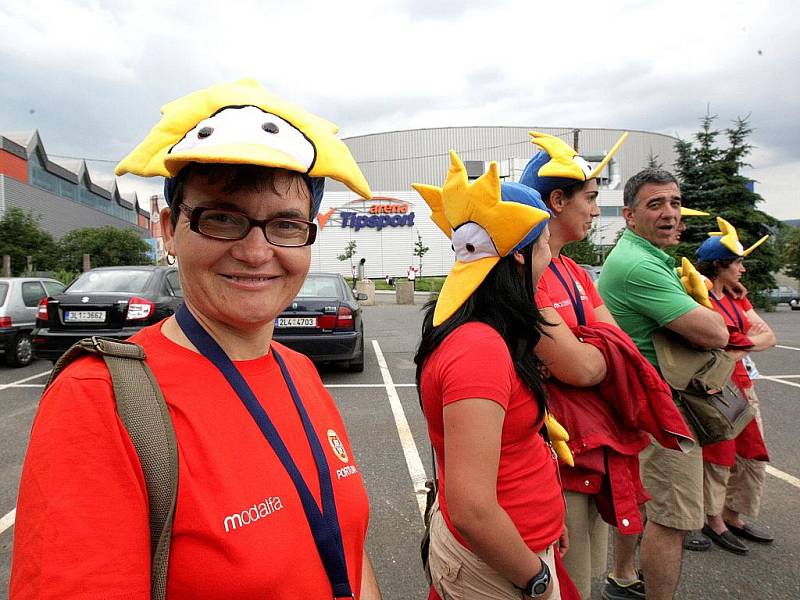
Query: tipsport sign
[[379, 213]]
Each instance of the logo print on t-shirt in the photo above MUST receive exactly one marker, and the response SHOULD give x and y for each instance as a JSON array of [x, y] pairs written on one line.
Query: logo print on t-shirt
[[338, 447]]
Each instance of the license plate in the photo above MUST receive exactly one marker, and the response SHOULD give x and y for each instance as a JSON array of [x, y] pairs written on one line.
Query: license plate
[[84, 316], [296, 322]]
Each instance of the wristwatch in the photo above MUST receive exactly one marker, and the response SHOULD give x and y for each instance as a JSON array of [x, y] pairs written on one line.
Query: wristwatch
[[538, 585]]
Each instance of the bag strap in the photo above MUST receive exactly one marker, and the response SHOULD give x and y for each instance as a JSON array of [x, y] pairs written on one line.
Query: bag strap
[[142, 409]]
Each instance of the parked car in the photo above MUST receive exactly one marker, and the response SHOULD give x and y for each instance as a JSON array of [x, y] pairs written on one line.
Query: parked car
[[593, 271], [324, 322], [783, 294], [113, 302], [19, 299]]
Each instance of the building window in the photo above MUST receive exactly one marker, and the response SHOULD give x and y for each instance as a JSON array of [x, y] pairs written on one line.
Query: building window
[[610, 211]]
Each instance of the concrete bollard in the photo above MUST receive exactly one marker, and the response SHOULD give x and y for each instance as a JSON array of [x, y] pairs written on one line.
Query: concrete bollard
[[404, 291], [366, 286]]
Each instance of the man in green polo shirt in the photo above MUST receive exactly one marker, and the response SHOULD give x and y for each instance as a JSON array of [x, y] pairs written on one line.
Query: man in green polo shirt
[[643, 293]]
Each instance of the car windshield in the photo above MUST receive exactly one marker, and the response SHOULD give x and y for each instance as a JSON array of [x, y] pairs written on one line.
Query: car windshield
[[319, 287], [126, 280]]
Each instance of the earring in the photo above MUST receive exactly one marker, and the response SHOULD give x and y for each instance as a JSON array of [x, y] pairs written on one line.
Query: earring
[[170, 259]]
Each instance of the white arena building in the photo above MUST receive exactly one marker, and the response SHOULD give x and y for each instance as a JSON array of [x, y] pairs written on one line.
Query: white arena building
[[386, 228]]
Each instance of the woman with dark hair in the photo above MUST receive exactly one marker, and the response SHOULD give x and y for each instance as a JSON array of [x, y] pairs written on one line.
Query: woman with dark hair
[[500, 512], [596, 385], [734, 470]]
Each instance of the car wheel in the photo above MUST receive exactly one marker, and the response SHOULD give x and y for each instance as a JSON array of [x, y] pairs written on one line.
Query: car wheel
[[357, 364], [20, 353]]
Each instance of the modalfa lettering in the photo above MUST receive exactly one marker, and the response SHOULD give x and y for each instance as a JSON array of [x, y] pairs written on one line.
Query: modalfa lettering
[[253, 514]]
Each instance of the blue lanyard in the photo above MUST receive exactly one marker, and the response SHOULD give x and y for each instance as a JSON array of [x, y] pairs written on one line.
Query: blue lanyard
[[577, 303], [324, 524], [738, 318]]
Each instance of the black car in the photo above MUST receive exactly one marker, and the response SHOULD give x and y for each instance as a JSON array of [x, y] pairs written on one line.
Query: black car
[[113, 302], [324, 322]]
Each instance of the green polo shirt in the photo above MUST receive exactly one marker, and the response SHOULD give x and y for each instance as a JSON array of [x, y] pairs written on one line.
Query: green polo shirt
[[642, 291]]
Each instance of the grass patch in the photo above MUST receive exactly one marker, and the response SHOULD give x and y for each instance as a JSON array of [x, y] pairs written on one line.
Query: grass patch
[[423, 284]]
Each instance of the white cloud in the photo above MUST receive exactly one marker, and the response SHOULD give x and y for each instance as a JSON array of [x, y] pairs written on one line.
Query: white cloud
[[96, 73]]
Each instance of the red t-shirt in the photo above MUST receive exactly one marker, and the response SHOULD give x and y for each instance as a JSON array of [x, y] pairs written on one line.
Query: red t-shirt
[[551, 293], [733, 311], [474, 362], [239, 531]]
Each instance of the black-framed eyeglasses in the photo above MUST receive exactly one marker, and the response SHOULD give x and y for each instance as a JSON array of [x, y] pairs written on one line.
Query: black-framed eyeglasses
[[221, 224]]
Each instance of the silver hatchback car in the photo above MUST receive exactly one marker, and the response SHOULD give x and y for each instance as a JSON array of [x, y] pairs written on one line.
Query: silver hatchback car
[[19, 299]]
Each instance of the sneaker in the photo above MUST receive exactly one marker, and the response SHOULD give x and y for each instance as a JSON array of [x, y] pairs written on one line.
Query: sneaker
[[696, 541], [618, 591]]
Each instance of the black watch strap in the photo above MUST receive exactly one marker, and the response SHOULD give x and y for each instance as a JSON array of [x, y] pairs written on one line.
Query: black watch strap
[[539, 583]]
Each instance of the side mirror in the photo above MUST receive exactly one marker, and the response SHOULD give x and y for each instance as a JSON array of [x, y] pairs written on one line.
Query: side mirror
[[361, 296]]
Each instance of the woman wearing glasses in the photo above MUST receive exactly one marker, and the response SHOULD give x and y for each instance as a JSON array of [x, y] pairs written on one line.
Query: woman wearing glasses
[[260, 511]]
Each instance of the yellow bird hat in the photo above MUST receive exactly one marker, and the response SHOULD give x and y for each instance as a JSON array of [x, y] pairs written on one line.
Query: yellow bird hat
[[242, 123], [691, 212], [724, 244], [485, 220], [558, 165]]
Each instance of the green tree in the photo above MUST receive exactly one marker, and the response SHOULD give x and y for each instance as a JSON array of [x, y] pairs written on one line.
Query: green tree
[[419, 250], [653, 162], [791, 251], [21, 237], [348, 254], [711, 180], [108, 246], [584, 251]]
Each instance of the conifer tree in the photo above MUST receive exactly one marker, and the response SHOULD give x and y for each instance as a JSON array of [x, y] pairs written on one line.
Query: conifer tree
[[711, 180]]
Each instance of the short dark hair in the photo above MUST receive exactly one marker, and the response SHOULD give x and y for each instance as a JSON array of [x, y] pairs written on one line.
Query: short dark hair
[[711, 268], [642, 178], [569, 190], [232, 178]]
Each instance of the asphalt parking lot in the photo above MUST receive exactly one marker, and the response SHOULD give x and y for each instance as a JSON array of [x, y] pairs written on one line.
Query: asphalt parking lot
[[388, 433]]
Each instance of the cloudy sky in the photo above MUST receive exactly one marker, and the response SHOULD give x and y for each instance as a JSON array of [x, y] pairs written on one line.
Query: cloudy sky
[[91, 76]]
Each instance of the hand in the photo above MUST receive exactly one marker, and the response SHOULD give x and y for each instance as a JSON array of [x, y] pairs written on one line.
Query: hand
[[563, 542], [756, 328], [737, 290]]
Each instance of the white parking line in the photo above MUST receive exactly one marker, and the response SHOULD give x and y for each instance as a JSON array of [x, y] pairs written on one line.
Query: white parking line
[[776, 380], [791, 479], [787, 347], [16, 383], [783, 376], [413, 460], [8, 520], [24, 385]]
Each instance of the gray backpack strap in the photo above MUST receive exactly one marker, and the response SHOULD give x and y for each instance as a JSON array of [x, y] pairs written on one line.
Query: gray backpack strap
[[142, 408]]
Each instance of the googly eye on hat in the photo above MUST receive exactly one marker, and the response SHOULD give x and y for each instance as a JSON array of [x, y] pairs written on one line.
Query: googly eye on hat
[[242, 123], [485, 220]]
